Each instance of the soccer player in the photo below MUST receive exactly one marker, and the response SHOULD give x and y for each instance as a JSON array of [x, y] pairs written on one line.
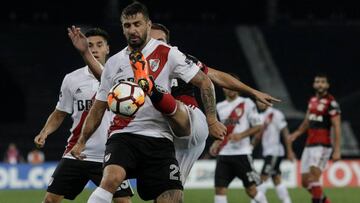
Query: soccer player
[[274, 124], [189, 150], [142, 147], [234, 159], [76, 96], [323, 113]]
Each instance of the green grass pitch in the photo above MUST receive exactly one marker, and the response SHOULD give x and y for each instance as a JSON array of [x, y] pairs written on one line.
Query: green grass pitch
[[337, 195]]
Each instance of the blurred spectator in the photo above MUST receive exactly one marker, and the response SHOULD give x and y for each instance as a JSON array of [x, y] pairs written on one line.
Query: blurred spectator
[[35, 156], [12, 155]]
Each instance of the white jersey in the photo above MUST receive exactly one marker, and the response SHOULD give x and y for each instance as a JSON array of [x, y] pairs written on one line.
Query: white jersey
[[238, 115], [165, 63], [76, 96], [274, 121]]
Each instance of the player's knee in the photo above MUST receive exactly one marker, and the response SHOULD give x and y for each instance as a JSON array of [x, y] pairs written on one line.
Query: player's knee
[[113, 176], [276, 179], [122, 200], [251, 191], [170, 196], [220, 191], [52, 198]]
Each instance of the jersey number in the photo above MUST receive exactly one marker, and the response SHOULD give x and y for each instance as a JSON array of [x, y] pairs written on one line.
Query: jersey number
[[174, 173]]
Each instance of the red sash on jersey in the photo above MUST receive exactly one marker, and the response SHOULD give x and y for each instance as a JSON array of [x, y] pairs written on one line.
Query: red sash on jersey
[[266, 123], [231, 121], [76, 132]]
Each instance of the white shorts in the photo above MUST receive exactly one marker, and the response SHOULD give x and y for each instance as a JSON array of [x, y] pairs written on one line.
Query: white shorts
[[317, 156], [188, 149]]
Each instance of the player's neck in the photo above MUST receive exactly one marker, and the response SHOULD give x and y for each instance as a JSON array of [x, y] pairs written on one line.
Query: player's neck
[[230, 99], [321, 94]]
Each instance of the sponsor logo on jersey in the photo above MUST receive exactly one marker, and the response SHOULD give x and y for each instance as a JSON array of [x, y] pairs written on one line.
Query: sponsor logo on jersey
[[314, 117], [320, 107], [78, 91]]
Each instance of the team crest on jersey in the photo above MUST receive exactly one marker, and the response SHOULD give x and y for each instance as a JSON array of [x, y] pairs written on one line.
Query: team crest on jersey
[[238, 111], [320, 107], [107, 157], [154, 64]]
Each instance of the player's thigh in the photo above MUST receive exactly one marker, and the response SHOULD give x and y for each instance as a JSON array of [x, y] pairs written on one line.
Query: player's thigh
[[158, 169], [198, 130], [68, 179], [95, 175], [224, 171], [180, 122], [315, 156]]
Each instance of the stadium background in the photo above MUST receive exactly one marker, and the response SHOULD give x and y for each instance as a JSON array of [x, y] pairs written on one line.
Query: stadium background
[[273, 45]]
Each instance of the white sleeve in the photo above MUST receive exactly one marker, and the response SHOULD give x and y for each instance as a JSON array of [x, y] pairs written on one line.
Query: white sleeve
[[105, 84], [66, 99], [183, 67], [280, 120], [252, 114]]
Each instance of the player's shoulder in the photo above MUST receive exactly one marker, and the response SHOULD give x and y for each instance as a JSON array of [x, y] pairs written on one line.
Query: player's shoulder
[[277, 112], [248, 101], [330, 97], [222, 104], [76, 74]]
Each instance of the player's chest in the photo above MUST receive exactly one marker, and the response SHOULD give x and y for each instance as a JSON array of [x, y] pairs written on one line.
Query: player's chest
[[84, 90], [319, 106]]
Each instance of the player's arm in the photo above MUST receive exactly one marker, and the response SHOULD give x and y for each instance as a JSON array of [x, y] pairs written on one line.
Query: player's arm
[[200, 80], [336, 123], [91, 123], [247, 133], [257, 137], [288, 144], [301, 129], [81, 43], [227, 81], [53, 122]]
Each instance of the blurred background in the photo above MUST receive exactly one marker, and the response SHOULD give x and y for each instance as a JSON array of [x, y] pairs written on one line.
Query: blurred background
[[273, 45]]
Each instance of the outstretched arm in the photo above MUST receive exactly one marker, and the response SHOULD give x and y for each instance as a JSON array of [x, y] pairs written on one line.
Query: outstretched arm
[[227, 81], [53, 122], [216, 128], [81, 43]]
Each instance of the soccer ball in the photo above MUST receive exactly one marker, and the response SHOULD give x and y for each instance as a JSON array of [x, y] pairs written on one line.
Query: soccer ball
[[125, 98]]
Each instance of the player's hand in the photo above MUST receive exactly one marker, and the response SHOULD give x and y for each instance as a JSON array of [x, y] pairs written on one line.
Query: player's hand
[[336, 155], [214, 149], [39, 140], [76, 151], [78, 39], [265, 98], [234, 137], [217, 129]]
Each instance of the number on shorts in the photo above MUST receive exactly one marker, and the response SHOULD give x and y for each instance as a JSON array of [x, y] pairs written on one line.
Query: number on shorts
[[174, 171]]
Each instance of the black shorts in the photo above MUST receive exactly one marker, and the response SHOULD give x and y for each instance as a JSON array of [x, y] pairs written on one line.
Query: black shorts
[[71, 176], [271, 166], [150, 160], [231, 166]]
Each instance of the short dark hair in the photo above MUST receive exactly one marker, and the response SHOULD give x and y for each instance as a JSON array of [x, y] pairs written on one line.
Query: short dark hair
[[158, 26], [322, 75], [97, 32], [135, 8]]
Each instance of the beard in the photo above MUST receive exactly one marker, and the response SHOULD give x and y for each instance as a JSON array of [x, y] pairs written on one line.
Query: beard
[[136, 44]]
